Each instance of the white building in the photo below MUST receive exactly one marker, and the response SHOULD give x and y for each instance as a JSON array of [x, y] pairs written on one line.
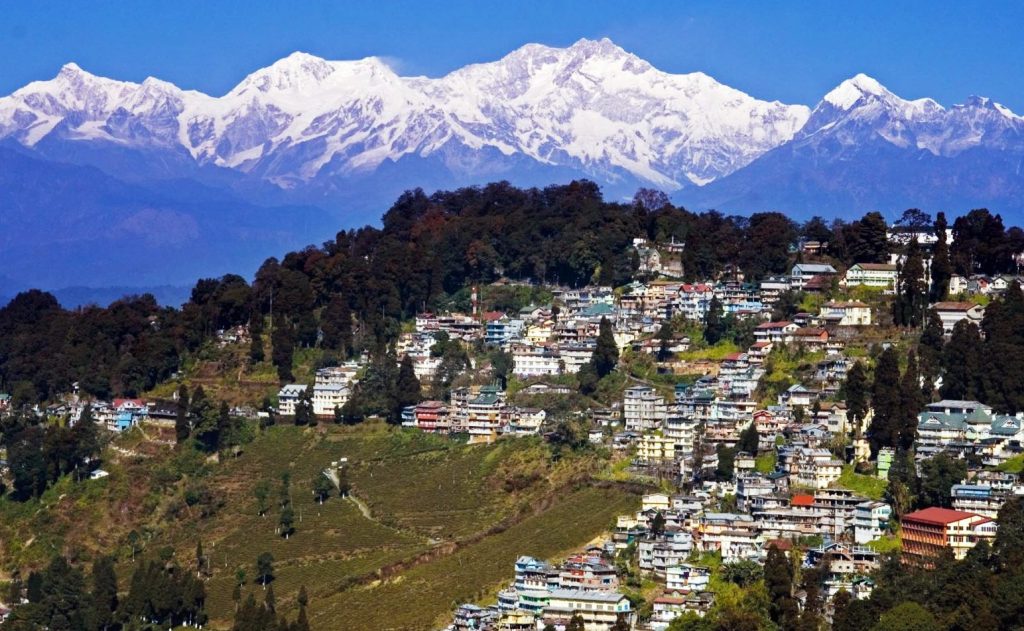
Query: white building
[[288, 397], [535, 361], [803, 272], [870, 521], [326, 397], [952, 312], [880, 275], [846, 313], [643, 409]]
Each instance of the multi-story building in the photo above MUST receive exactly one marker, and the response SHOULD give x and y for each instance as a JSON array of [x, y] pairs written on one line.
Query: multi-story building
[[327, 397], [880, 275], [928, 532], [432, 416], [643, 408], [288, 398], [535, 361], [599, 610], [870, 521]]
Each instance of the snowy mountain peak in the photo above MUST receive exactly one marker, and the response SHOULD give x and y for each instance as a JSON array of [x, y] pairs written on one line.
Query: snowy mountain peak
[[849, 92]]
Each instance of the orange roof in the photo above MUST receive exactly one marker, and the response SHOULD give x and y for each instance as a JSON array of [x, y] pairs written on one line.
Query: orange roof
[[802, 500], [953, 306], [940, 516]]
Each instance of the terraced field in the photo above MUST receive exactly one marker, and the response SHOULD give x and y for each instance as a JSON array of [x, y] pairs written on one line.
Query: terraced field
[[432, 521], [424, 596]]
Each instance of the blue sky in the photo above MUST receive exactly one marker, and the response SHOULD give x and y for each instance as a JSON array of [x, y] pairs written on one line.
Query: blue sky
[[794, 51]]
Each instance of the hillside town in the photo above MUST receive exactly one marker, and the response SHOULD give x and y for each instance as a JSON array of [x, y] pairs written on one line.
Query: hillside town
[[822, 418]]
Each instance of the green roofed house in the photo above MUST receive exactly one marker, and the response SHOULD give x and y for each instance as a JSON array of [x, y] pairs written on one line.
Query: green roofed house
[[599, 310]]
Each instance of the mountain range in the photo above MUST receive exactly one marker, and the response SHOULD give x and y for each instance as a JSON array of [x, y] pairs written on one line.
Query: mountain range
[[106, 182]]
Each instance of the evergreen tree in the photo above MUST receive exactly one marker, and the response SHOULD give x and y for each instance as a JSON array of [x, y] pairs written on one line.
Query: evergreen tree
[[287, 521], [282, 340], [903, 484], [304, 409], [256, 354], [911, 291], [336, 324], [961, 360], [857, 395], [265, 568], [606, 353], [664, 342], [182, 427], [407, 389], [929, 352], [938, 475], [1008, 548], [885, 400], [778, 580], [322, 488], [303, 597], [1002, 383], [658, 525], [714, 322], [343, 484], [911, 403], [942, 268], [261, 491], [104, 593], [749, 439]]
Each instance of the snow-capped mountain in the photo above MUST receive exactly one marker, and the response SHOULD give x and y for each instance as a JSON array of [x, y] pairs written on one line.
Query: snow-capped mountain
[[99, 175], [864, 148], [591, 107]]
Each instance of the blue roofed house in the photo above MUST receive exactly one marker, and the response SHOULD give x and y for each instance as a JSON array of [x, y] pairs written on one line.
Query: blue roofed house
[[803, 272]]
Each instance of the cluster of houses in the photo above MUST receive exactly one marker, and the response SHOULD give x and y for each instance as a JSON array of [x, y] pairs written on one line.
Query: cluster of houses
[[482, 412], [332, 388]]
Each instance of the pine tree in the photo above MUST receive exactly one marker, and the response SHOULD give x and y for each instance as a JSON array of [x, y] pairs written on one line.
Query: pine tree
[[322, 488], [929, 352], [182, 427], [961, 360], [857, 395], [304, 409], [1008, 548], [256, 354], [287, 521], [886, 401], [606, 353], [265, 568], [1002, 383], [104, 593], [714, 322], [942, 268], [911, 403], [407, 389], [261, 491], [778, 581], [903, 483], [911, 291], [336, 324], [283, 342], [749, 440], [343, 484], [664, 342]]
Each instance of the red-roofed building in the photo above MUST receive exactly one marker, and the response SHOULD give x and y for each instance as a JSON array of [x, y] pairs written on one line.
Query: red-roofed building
[[802, 501], [927, 532]]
